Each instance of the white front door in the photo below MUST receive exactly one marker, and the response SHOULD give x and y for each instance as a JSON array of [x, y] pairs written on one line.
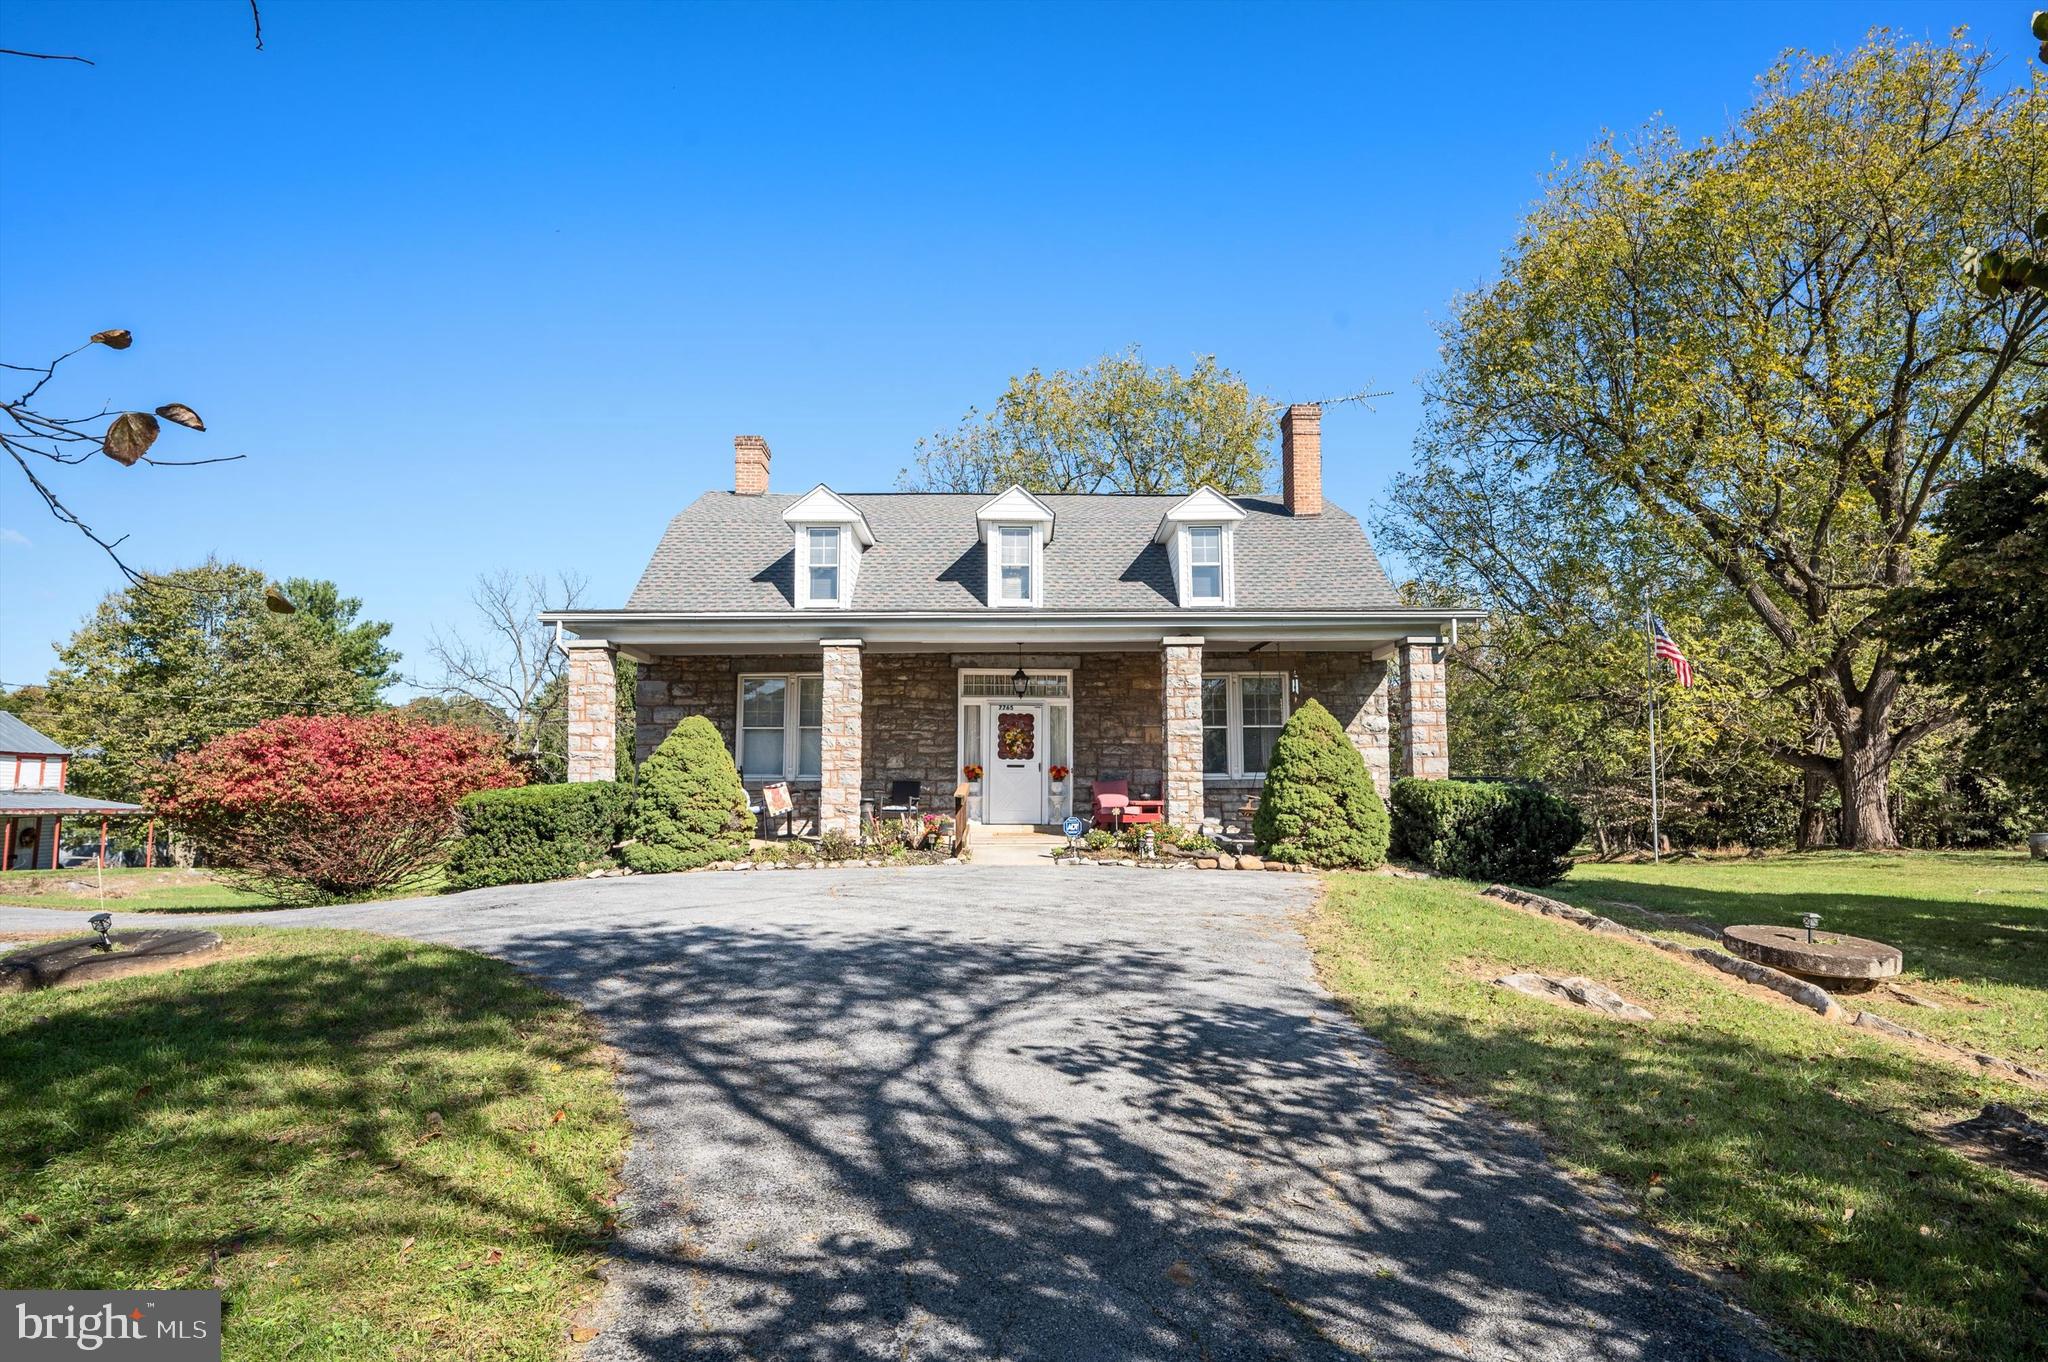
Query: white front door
[[1015, 783]]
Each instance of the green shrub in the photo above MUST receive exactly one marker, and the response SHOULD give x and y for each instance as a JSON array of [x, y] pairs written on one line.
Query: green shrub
[[1099, 839], [535, 832], [1319, 806], [837, 846], [1485, 830], [690, 808]]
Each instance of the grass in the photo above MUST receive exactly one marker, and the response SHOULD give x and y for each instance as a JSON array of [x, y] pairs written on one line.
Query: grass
[[373, 1148], [1789, 1153], [161, 890], [1973, 926]]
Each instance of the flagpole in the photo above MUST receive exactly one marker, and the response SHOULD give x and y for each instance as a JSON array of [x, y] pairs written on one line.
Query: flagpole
[[1650, 688]]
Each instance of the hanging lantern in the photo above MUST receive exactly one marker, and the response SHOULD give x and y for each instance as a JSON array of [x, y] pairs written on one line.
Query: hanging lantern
[[1019, 682]]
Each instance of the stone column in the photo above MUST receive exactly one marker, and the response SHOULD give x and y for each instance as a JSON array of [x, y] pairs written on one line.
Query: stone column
[[1181, 761], [593, 711], [1425, 716], [839, 742]]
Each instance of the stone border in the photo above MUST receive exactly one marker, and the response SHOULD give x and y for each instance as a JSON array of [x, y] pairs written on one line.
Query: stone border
[[1806, 994], [1203, 860]]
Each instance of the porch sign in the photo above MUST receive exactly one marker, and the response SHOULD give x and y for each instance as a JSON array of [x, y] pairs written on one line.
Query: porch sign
[[776, 797]]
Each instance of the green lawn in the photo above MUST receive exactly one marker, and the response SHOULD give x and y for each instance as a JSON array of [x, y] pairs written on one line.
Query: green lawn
[[161, 890], [1766, 1144], [374, 1149], [1973, 926]]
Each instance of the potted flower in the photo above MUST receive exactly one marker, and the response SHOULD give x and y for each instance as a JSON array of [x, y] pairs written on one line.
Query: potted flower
[[1059, 779], [972, 770]]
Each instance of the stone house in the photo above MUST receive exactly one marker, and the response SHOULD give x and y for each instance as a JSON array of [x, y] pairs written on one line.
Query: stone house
[[844, 642]]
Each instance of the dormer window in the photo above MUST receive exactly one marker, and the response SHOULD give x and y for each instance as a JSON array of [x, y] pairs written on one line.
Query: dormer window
[[1199, 532], [1205, 564], [1014, 550], [829, 536], [1015, 528], [824, 564]]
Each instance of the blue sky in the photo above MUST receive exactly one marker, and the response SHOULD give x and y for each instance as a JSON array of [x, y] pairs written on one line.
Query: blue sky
[[493, 285]]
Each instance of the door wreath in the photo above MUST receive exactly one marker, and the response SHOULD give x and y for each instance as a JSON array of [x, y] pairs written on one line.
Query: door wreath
[[1016, 738]]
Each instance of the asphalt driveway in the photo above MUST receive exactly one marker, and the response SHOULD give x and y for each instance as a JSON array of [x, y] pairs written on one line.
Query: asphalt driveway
[[966, 1112]]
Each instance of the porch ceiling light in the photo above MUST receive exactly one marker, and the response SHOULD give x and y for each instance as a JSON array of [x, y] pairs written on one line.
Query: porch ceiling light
[[1019, 682]]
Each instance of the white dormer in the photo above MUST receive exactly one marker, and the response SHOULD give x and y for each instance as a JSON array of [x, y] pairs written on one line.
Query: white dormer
[[829, 535], [1015, 527], [1200, 532]]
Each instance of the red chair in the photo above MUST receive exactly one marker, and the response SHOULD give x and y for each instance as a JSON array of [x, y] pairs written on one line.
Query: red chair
[[1112, 797]]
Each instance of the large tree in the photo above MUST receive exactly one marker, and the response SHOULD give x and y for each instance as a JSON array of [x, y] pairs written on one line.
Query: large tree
[[1771, 350], [510, 663], [1119, 425], [178, 659]]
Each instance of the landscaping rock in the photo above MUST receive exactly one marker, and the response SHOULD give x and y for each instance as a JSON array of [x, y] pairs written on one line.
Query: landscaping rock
[[1912, 999], [79, 959], [1206, 862], [1870, 1021], [1250, 863], [1578, 991]]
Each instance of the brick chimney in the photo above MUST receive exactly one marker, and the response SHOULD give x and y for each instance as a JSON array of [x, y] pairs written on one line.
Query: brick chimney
[[1301, 458], [749, 465]]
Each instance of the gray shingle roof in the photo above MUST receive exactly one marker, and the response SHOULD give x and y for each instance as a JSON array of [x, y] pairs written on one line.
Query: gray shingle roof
[[49, 801], [16, 736], [733, 553]]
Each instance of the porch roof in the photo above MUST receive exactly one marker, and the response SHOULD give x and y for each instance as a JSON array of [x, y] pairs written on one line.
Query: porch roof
[[29, 803], [659, 632]]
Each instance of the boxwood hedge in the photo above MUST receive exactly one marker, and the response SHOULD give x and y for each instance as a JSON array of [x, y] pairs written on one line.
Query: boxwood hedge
[[536, 832], [1485, 830]]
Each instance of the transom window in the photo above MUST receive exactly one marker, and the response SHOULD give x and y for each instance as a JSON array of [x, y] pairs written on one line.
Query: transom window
[[1205, 563], [1014, 544], [1242, 713], [780, 721], [824, 564], [1001, 686]]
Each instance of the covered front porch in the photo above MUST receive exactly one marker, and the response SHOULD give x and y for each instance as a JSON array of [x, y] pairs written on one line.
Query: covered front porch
[[853, 724]]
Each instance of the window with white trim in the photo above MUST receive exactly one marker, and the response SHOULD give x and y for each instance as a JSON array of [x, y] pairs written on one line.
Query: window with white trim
[[781, 719], [822, 567], [1013, 543], [1205, 564], [1242, 713]]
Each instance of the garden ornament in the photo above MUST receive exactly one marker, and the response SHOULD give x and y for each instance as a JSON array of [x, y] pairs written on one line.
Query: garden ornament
[[102, 923], [1811, 920]]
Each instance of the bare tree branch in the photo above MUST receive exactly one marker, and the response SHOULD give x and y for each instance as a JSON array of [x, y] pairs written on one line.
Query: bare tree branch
[[47, 56]]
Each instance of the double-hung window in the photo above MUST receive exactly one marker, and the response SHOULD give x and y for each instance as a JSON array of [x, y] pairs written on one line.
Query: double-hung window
[[1241, 717], [1013, 543], [824, 564], [1205, 564], [780, 720]]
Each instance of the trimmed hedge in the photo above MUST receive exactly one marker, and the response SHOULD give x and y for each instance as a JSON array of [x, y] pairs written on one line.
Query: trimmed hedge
[[1319, 806], [536, 832], [690, 808], [1485, 830]]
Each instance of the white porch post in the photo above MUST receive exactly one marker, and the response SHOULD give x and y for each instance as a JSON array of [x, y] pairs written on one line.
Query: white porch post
[[839, 743], [1181, 762], [1425, 715], [593, 711]]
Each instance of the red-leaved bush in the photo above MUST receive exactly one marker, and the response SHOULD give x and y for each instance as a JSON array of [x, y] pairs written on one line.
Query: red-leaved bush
[[312, 808]]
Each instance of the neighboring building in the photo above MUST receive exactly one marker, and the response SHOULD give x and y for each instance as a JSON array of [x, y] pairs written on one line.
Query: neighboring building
[[33, 805], [847, 642]]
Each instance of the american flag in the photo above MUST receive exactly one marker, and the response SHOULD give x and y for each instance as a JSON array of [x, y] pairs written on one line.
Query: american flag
[[1662, 646]]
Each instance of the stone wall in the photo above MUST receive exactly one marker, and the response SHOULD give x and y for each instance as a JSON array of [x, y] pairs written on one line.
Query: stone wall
[[1119, 722], [671, 688], [593, 745], [909, 724]]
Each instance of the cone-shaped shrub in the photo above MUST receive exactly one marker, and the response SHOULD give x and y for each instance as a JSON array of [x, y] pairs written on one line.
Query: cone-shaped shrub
[[690, 808], [1319, 807]]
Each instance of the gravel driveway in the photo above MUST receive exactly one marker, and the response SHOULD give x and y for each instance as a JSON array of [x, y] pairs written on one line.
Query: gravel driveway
[[968, 1112]]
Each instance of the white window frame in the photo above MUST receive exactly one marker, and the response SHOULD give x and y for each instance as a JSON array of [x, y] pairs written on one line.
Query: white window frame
[[842, 569], [1036, 567], [1222, 565], [792, 725], [1234, 721]]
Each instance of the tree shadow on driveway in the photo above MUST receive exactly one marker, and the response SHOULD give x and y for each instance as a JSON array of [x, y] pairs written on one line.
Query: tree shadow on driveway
[[929, 1141]]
